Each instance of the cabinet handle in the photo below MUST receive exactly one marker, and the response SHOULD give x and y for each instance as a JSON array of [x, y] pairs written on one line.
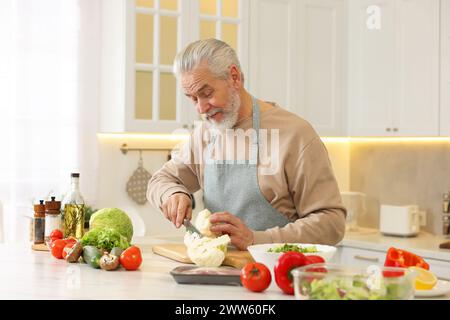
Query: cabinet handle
[[358, 257], [395, 129], [388, 129], [185, 126]]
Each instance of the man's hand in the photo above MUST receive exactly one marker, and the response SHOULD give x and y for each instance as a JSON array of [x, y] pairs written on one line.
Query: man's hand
[[177, 208], [227, 223]]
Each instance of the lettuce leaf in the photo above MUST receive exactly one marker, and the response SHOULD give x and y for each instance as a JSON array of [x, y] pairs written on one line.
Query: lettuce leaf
[[105, 238]]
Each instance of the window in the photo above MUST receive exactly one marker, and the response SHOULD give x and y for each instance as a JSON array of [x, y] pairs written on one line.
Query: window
[[220, 19]]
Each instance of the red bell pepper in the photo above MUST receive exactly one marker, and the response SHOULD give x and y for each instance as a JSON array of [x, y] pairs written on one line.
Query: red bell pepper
[[404, 259], [286, 263], [289, 261]]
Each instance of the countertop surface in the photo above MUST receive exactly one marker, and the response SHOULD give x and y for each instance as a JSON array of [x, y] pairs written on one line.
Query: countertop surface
[[28, 274], [425, 244]]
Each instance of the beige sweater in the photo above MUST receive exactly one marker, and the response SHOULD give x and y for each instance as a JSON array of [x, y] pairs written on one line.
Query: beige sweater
[[302, 186]]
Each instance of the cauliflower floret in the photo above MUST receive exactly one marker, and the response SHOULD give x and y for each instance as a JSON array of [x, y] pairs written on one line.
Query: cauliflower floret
[[206, 251], [203, 224]]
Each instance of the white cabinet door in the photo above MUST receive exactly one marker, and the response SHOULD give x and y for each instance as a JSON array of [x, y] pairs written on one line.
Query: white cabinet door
[[417, 67], [394, 67], [361, 257], [321, 65], [272, 57], [371, 66], [297, 59], [139, 92], [445, 68]]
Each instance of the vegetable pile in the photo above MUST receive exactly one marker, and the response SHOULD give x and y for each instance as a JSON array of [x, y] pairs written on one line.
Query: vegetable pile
[[106, 246]]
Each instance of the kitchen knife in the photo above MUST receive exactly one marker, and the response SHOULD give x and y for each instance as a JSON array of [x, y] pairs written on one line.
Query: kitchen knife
[[190, 227]]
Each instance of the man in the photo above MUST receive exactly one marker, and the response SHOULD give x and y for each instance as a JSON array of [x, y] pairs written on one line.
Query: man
[[299, 201]]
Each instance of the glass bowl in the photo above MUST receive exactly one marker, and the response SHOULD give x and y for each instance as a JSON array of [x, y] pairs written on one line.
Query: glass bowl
[[339, 282]]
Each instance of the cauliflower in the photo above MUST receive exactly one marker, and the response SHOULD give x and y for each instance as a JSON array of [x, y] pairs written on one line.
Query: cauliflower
[[203, 224], [206, 251], [210, 250]]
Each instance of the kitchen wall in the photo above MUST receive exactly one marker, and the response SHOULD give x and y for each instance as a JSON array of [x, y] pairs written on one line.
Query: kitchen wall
[[401, 172]]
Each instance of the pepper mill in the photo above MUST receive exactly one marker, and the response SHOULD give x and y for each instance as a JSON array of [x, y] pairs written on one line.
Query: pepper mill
[[39, 223]]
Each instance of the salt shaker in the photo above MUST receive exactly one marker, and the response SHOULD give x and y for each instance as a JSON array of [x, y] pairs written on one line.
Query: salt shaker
[[52, 217]]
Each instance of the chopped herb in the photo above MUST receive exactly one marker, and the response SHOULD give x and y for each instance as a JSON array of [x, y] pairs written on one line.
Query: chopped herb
[[293, 247]]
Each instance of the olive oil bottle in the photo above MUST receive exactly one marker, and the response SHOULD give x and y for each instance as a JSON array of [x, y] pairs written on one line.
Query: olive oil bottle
[[74, 210]]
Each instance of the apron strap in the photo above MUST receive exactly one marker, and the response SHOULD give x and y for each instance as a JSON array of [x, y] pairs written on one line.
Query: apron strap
[[255, 141]]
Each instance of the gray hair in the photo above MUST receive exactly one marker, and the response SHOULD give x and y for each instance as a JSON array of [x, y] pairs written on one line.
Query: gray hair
[[218, 56]]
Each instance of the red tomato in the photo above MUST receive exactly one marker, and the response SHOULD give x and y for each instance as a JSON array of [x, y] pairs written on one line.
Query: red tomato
[[131, 258], [282, 270], [67, 249], [57, 248], [56, 234], [255, 277]]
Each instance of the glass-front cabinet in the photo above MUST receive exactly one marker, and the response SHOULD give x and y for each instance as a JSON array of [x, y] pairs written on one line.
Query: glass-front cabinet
[[139, 90]]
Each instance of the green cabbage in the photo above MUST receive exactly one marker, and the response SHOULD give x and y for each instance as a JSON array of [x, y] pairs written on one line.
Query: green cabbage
[[112, 218], [105, 238]]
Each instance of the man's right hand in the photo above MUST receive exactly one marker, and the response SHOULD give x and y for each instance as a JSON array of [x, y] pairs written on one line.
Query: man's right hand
[[177, 208]]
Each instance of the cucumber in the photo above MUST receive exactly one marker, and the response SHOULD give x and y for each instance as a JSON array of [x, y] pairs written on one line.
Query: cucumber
[[95, 261], [92, 255]]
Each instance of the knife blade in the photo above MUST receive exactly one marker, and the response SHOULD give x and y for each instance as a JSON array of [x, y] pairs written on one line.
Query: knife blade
[[190, 227]]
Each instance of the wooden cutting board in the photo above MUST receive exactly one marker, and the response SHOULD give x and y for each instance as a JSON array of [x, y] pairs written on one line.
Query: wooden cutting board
[[175, 251], [40, 247]]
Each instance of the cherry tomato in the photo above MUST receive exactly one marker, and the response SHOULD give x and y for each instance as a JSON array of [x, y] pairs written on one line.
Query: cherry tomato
[[282, 270], [57, 248], [67, 249], [56, 234], [255, 277], [131, 258]]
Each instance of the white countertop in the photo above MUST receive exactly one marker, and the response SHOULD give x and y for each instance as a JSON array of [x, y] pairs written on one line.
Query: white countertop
[[26, 274], [425, 244]]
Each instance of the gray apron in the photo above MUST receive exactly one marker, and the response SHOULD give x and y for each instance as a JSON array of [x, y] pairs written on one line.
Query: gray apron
[[233, 186]]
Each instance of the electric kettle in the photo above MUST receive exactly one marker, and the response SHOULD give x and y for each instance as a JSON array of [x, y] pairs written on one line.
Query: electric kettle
[[355, 203]]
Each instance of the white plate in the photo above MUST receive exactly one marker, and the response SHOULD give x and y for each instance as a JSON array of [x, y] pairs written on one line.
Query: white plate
[[441, 288]]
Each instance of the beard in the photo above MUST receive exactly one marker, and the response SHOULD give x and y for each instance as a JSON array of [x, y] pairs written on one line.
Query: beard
[[230, 112]]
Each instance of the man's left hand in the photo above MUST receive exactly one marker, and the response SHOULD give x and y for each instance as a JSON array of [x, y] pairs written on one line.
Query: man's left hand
[[227, 223]]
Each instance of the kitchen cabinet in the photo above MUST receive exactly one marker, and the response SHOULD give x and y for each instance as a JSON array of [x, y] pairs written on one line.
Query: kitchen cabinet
[[297, 51], [445, 68], [365, 258], [139, 41], [393, 67]]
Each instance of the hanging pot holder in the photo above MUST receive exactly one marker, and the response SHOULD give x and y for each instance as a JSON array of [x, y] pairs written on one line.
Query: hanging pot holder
[[138, 183]]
